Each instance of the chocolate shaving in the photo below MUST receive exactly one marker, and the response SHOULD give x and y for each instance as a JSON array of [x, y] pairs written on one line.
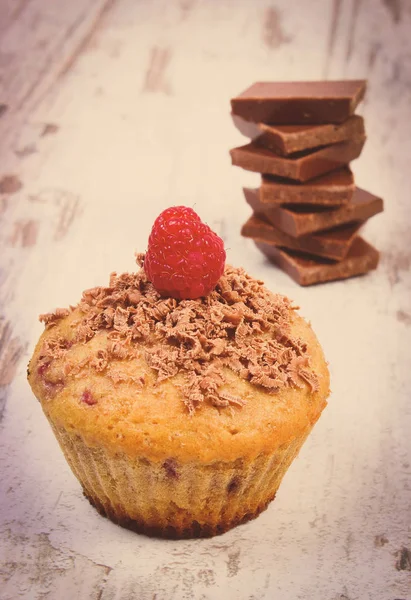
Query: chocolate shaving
[[309, 378], [140, 259], [117, 376], [230, 398], [51, 318], [164, 361], [100, 361], [118, 351], [239, 326], [84, 332], [74, 369], [56, 347]]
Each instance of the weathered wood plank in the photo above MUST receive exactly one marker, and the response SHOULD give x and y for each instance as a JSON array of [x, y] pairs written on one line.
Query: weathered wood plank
[[138, 120], [38, 40]]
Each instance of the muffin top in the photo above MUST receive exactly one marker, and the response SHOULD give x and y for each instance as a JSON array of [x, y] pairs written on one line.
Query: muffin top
[[230, 375]]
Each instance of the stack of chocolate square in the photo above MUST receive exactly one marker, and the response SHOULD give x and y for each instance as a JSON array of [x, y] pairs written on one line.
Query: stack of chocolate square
[[307, 211]]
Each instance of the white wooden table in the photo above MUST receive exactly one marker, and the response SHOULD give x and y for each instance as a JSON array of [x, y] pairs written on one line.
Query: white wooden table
[[114, 110]]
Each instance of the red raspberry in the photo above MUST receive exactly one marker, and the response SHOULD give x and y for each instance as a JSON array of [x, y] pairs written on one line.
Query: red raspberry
[[185, 258]]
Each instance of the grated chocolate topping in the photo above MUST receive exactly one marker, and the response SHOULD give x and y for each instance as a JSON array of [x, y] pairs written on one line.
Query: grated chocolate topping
[[240, 325]]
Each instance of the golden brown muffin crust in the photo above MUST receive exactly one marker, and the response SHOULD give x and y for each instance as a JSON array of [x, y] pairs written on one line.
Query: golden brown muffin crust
[[110, 371]]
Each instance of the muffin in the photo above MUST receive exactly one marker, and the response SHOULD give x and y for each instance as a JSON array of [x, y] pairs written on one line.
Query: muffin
[[179, 416]]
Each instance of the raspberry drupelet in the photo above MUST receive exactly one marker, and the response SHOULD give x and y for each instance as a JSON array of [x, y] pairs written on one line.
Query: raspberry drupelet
[[185, 258]]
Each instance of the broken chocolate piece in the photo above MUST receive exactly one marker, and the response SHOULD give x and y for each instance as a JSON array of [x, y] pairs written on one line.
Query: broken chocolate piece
[[299, 220], [287, 139], [300, 166], [308, 270], [299, 102], [333, 244], [332, 189]]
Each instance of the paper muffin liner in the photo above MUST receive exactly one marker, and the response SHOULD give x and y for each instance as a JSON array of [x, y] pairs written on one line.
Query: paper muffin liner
[[174, 500]]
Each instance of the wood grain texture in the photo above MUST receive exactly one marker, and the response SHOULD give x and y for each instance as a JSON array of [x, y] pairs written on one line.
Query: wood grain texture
[[37, 44], [114, 111]]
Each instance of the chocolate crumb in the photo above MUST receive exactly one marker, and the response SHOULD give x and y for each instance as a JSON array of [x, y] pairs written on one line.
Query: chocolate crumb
[[240, 326], [140, 258], [51, 318], [100, 361]]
